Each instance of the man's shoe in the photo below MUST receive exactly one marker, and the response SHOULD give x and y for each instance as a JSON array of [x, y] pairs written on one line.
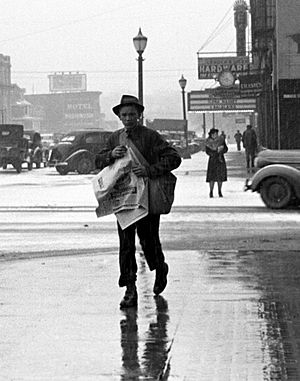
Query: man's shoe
[[130, 298], [161, 279]]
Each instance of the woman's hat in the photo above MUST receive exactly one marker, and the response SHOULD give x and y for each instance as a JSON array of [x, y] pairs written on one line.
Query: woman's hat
[[127, 100], [213, 131]]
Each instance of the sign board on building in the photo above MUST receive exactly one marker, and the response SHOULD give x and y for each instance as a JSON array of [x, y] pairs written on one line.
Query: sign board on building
[[223, 92], [68, 111], [167, 124], [204, 101], [64, 82], [250, 85], [210, 67]]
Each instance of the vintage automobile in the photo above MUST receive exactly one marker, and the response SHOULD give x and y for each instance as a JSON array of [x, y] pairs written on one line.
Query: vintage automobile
[[49, 141], [36, 151], [14, 147], [76, 151], [278, 178]]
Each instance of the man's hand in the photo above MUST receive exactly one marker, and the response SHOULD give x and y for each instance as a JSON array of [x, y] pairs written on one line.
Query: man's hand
[[118, 152], [139, 171]]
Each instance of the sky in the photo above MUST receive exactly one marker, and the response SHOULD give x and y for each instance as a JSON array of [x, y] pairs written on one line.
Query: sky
[[95, 37]]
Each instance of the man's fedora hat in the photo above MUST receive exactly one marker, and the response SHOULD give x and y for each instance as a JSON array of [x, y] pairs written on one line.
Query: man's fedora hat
[[127, 100], [213, 131]]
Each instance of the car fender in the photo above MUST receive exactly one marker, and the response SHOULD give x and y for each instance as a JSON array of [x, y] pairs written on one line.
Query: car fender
[[291, 174], [74, 157]]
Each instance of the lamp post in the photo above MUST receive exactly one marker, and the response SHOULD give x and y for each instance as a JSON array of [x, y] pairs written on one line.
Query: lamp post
[[182, 82], [140, 43], [3, 111]]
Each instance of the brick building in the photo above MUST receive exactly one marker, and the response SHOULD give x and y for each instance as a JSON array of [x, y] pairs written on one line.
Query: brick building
[[5, 89], [276, 57]]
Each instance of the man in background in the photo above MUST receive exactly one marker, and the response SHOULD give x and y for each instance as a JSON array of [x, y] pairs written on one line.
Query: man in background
[[249, 140], [238, 138]]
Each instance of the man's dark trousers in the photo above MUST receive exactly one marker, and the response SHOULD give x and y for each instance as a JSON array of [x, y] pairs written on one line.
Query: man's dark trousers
[[250, 156], [148, 232]]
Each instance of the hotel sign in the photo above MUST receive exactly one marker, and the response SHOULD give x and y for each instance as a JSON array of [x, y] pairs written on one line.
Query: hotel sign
[[210, 68], [205, 101]]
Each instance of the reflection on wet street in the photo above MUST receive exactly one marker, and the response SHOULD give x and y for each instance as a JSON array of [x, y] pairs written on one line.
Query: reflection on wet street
[[145, 351], [154, 343], [224, 316]]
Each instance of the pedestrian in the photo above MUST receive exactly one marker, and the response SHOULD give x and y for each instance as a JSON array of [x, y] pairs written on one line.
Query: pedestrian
[[162, 158], [249, 140], [238, 138], [223, 136], [216, 168]]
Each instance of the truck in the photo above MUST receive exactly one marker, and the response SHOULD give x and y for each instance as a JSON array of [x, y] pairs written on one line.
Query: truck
[[14, 147]]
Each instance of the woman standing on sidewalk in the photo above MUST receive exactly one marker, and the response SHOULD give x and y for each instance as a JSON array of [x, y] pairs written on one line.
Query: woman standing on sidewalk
[[215, 148]]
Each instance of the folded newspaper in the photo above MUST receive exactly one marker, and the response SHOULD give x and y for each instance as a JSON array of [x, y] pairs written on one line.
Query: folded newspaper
[[118, 190]]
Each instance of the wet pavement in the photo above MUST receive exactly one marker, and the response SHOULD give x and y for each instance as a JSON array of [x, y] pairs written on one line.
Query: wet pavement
[[225, 316]]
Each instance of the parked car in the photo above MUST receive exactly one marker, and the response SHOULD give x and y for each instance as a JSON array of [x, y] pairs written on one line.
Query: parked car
[[76, 151], [278, 178], [36, 150], [14, 147]]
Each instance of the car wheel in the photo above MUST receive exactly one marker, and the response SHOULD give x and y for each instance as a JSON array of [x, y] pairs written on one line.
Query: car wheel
[[276, 192], [84, 165], [63, 170], [18, 167]]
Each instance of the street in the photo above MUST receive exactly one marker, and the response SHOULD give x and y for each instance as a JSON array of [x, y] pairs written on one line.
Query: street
[[230, 311], [61, 210], [84, 87]]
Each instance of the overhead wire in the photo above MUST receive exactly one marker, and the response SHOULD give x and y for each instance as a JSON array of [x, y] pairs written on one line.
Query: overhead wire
[[220, 30], [72, 22], [217, 29], [221, 26], [100, 71], [229, 45]]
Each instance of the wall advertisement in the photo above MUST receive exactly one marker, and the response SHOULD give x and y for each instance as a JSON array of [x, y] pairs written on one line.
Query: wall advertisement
[[250, 85], [68, 111], [205, 101], [67, 82], [211, 67]]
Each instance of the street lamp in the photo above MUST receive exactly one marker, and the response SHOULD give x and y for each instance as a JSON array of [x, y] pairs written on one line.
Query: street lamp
[[182, 82], [3, 111], [140, 43]]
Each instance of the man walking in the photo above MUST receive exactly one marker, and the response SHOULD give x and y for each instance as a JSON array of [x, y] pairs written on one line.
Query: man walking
[[162, 158], [249, 140], [238, 138]]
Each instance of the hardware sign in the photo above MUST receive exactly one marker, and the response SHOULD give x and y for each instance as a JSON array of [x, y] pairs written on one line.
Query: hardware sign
[[209, 68]]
